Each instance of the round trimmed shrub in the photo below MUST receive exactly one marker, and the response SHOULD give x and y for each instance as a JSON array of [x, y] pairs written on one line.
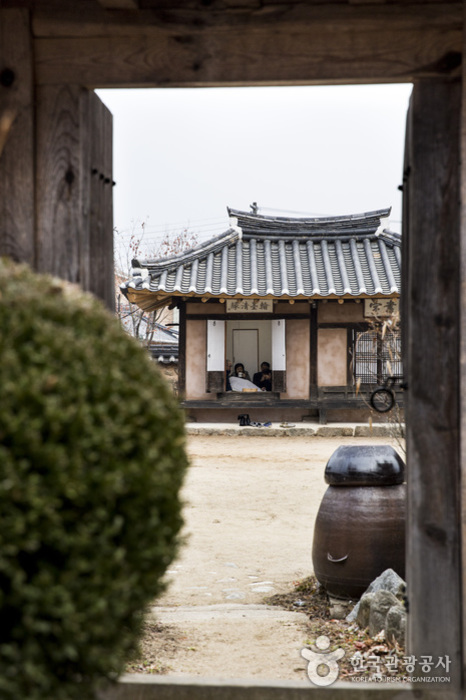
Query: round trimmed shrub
[[91, 462]]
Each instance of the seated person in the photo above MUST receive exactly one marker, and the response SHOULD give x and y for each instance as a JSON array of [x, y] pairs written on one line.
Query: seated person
[[241, 372], [263, 379], [228, 364], [240, 384]]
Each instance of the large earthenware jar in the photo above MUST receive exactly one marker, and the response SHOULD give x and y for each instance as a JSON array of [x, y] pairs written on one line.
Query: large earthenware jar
[[360, 527]]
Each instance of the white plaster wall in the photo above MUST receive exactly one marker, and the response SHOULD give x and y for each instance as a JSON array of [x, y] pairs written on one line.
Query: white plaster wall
[[331, 357], [297, 359], [196, 349]]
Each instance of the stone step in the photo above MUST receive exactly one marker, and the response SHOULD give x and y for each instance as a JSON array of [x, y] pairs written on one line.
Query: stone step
[[226, 611]]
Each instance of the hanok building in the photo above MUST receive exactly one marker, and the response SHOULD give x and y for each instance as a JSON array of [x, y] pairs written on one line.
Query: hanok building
[[306, 295]]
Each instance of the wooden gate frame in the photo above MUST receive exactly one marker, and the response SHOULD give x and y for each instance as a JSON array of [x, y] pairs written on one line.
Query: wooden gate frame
[[55, 212]]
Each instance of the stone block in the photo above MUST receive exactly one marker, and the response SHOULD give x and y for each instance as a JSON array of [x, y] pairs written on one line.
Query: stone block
[[395, 625], [330, 431]]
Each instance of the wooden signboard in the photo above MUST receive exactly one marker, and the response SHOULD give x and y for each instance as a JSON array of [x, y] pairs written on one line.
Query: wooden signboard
[[375, 308], [240, 306]]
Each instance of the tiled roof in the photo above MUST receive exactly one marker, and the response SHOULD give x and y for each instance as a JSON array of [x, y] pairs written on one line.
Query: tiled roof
[[262, 256], [164, 335], [157, 331], [164, 353]]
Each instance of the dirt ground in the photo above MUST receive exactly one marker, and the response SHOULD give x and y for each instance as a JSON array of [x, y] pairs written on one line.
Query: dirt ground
[[250, 506]]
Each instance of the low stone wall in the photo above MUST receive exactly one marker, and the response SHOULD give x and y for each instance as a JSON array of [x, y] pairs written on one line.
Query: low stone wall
[[327, 431], [140, 687], [170, 372]]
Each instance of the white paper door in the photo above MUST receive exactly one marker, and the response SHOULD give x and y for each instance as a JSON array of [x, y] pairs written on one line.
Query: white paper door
[[278, 345], [278, 356], [215, 346]]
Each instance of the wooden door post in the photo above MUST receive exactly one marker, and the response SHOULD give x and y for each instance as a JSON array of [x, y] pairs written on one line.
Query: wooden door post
[[433, 343], [462, 378], [16, 137], [74, 188], [100, 162]]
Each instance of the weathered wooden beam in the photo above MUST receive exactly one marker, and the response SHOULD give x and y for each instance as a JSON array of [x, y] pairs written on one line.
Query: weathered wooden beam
[[119, 4], [68, 19], [295, 44], [433, 417], [16, 137]]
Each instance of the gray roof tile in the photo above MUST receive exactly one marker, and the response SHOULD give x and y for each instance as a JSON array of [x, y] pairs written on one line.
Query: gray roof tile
[[282, 257]]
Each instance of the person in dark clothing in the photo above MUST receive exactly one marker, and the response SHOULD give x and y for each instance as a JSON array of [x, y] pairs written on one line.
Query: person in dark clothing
[[228, 364], [241, 372], [263, 379]]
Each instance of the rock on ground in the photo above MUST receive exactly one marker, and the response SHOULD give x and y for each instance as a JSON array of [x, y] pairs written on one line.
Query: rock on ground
[[388, 580]]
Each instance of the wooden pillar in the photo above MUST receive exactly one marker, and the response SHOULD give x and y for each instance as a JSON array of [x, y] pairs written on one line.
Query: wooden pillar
[[74, 188], [313, 351], [101, 258], [16, 137], [404, 307], [349, 359], [462, 379], [182, 350], [433, 416]]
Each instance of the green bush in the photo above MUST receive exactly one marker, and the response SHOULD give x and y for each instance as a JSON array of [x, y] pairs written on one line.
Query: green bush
[[91, 462]]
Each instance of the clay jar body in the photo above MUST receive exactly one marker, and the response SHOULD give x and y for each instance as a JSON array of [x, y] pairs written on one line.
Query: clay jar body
[[360, 526]]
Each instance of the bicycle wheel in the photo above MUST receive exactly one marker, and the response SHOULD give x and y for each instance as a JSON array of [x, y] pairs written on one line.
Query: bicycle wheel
[[382, 400]]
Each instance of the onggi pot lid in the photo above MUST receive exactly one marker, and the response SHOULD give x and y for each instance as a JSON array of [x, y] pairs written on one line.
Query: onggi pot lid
[[365, 465]]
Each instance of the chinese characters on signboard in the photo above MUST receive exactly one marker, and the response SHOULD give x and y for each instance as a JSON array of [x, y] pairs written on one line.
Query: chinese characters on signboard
[[240, 306], [381, 307]]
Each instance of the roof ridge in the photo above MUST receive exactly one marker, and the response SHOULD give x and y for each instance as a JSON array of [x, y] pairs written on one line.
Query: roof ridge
[[363, 216]]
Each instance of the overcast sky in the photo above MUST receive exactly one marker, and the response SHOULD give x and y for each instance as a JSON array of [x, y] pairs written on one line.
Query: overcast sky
[[181, 156]]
